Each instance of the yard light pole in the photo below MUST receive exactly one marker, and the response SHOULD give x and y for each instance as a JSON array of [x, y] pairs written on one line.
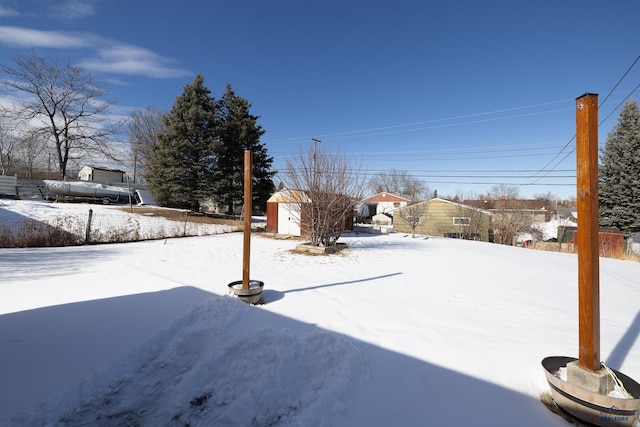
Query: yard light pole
[[591, 392], [247, 219], [588, 238], [249, 291]]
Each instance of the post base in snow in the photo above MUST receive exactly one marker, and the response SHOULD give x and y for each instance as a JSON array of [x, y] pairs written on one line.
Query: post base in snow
[[618, 407], [252, 295], [600, 381]]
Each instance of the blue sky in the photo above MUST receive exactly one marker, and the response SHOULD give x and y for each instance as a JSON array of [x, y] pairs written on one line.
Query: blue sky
[[464, 95]]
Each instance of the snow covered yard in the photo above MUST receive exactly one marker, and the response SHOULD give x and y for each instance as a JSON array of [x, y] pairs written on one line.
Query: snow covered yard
[[392, 331]]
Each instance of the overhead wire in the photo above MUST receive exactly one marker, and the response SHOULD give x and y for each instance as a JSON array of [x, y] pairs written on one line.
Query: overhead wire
[[544, 168], [377, 130]]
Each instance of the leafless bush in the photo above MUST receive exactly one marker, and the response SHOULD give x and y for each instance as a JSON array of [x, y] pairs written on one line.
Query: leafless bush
[[64, 231], [327, 184]]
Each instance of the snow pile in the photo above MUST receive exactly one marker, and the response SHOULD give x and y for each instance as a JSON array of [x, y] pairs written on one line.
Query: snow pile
[[211, 368], [549, 229]]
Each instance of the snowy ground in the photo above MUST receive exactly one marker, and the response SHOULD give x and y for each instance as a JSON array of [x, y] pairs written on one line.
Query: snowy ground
[[394, 331], [108, 223]]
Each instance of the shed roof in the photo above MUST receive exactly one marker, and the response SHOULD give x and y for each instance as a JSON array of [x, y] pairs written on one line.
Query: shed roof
[[100, 168], [289, 196]]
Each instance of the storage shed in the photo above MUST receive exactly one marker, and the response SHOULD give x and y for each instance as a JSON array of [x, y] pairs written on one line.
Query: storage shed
[[284, 216], [382, 219], [97, 174], [283, 212]]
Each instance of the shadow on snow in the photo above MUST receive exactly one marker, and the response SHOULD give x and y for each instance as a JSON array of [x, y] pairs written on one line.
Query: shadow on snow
[[66, 343]]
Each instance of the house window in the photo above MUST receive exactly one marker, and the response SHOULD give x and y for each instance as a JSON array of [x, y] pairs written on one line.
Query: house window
[[461, 220], [396, 204]]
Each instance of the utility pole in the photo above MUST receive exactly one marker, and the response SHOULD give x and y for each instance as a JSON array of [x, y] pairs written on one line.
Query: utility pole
[[315, 168], [315, 146]]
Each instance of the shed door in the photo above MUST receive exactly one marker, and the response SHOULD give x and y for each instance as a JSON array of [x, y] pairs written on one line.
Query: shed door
[[288, 219]]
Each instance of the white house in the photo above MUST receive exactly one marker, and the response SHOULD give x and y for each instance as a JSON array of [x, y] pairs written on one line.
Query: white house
[[387, 202]]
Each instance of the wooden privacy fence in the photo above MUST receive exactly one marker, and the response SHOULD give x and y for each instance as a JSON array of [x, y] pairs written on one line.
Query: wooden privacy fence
[[612, 243], [9, 186]]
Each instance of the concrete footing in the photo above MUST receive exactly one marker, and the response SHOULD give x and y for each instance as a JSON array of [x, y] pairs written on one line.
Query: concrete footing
[[599, 381]]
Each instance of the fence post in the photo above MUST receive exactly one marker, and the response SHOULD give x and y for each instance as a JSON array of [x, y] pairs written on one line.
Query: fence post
[[87, 234], [186, 219]]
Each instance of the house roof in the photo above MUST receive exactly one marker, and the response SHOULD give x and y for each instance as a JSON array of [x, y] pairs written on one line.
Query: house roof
[[506, 204], [437, 199], [386, 197], [464, 205]]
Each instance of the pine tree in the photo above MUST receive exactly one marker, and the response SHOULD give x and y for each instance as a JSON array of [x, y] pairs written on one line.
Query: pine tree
[[619, 175], [181, 171], [238, 131]]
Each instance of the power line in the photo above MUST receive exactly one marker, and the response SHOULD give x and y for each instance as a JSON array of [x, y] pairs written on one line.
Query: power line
[[574, 136], [619, 81], [380, 130], [445, 176], [450, 174], [438, 154], [599, 124]]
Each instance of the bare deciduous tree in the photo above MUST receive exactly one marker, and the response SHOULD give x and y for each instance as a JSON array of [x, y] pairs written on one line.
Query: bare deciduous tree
[[503, 191], [509, 220], [142, 130], [8, 143], [470, 222], [63, 103], [414, 214], [399, 182], [32, 146], [329, 182]]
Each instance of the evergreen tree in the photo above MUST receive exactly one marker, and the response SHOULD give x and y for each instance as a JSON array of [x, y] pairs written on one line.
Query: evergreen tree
[[181, 169], [619, 175], [237, 131]]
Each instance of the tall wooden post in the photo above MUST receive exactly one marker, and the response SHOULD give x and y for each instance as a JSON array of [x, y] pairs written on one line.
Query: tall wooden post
[[588, 238], [247, 219]]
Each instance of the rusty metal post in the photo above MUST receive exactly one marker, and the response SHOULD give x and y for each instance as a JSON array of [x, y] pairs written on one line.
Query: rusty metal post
[[246, 255], [588, 238]]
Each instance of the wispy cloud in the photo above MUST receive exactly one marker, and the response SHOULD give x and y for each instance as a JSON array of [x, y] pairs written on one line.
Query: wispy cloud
[[72, 9], [132, 60], [108, 56], [26, 37], [7, 11]]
